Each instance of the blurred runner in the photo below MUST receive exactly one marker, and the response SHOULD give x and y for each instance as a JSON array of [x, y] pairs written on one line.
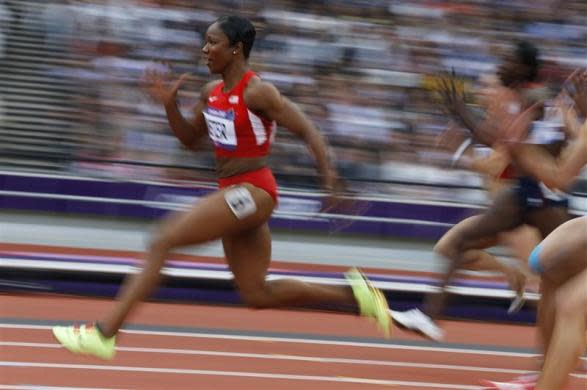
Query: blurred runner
[[527, 202], [561, 259]]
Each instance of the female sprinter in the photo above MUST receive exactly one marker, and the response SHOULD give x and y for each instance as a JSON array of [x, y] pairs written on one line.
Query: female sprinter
[[525, 203], [239, 113], [561, 259]]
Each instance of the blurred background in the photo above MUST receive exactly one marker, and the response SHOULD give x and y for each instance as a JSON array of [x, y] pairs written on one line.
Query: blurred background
[[87, 161], [70, 101]]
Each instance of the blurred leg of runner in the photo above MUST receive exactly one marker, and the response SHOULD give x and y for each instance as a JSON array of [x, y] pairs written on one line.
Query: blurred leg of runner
[[568, 339], [561, 260], [473, 259], [479, 260]]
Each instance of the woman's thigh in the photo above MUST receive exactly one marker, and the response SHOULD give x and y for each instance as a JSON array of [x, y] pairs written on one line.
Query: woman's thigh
[[563, 254], [503, 214], [214, 216], [547, 219], [521, 241], [450, 237]]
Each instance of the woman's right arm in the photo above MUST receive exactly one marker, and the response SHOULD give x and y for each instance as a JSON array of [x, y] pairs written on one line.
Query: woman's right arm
[[189, 133], [554, 173], [158, 87], [562, 172]]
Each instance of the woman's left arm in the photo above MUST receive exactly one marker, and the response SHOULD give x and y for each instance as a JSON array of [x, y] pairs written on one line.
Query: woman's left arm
[[265, 99]]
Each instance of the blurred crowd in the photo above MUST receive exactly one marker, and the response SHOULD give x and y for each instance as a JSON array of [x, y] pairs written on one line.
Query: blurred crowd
[[359, 69]]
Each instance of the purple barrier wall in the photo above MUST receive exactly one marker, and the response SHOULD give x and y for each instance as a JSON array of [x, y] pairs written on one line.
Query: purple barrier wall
[[296, 211]]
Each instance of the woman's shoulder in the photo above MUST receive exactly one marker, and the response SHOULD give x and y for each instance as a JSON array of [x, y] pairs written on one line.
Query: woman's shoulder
[[259, 92], [257, 84], [209, 87]]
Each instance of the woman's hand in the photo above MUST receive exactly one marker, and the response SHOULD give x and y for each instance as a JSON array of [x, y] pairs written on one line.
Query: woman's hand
[[576, 88], [160, 86], [334, 188]]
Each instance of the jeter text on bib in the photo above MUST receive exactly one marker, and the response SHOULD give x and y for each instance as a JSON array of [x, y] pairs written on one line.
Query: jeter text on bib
[[221, 127]]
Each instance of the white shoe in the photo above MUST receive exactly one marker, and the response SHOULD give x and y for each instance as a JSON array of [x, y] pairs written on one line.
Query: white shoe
[[418, 322]]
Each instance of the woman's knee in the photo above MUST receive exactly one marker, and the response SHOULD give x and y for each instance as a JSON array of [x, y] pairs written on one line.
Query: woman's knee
[[447, 246], [452, 241], [442, 248], [160, 241]]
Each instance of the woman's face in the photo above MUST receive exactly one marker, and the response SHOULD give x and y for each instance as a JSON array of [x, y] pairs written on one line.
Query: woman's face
[[218, 52]]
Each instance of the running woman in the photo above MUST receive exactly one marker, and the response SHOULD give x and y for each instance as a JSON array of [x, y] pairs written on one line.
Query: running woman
[[527, 202], [561, 259], [239, 112]]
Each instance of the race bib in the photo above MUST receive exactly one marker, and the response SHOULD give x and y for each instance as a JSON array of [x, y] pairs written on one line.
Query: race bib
[[221, 128], [240, 201]]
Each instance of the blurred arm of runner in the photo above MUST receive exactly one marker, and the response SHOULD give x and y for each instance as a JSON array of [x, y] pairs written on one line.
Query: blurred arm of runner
[[164, 91], [554, 173], [557, 173], [576, 89], [265, 99], [570, 119], [571, 103], [454, 140], [503, 108]]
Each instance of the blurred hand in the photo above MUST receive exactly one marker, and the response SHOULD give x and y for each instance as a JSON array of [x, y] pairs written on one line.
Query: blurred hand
[[576, 88], [335, 188], [160, 86], [518, 128], [564, 105], [329, 179]]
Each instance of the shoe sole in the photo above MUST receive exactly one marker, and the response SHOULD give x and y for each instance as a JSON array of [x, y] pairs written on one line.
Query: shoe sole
[[420, 333]]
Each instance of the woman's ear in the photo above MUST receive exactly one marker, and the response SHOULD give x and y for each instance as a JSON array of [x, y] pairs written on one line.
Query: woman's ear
[[238, 47]]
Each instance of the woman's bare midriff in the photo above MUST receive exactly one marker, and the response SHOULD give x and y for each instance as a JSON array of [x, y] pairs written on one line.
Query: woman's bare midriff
[[231, 166]]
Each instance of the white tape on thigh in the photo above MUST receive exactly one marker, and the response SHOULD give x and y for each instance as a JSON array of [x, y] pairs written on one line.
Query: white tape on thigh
[[240, 201]]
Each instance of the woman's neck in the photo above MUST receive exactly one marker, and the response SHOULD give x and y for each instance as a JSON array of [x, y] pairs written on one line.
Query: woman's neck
[[234, 74]]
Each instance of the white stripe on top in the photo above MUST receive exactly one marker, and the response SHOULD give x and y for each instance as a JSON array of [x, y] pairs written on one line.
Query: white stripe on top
[[258, 128]]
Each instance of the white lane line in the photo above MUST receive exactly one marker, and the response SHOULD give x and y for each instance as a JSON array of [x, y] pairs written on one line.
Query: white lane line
[[303, 358], [277, 339], [241, 374]]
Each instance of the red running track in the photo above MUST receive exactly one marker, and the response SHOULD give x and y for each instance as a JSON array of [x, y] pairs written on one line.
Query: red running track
[[182, 346]]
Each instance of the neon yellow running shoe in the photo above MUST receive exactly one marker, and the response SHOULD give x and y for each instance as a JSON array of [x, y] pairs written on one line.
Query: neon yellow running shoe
[[85, 340], [371, 301]]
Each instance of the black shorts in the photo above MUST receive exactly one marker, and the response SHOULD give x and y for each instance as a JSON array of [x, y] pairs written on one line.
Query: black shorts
[[534, 195]]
